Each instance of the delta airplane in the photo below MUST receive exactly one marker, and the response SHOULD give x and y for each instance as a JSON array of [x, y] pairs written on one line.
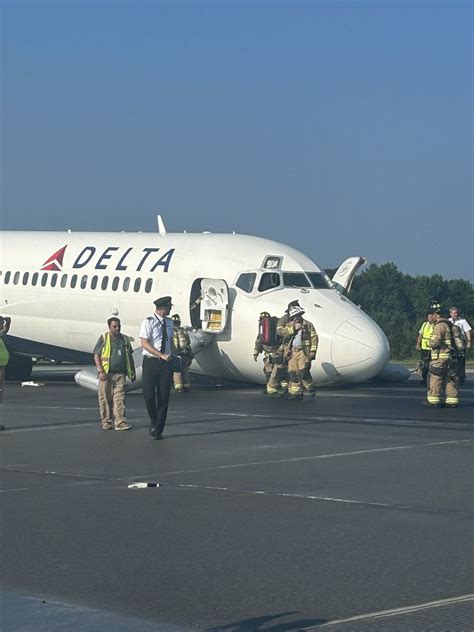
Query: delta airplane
[[61, 287]]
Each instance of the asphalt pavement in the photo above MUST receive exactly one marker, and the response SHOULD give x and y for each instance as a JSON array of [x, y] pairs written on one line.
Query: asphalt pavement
[[352, 511]]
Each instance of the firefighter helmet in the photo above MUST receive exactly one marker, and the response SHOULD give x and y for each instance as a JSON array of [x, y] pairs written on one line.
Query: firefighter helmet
[[435, 307], [295, 310], [176, 318], [264, 315]]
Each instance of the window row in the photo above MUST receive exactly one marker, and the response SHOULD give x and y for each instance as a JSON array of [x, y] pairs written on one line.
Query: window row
[[85, 281]]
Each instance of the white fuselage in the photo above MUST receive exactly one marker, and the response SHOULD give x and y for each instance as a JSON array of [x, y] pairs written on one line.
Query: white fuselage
[[64, 301]]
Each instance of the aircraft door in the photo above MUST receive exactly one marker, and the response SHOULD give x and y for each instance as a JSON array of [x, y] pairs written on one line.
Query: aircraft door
[[345, 274], [210, 305]]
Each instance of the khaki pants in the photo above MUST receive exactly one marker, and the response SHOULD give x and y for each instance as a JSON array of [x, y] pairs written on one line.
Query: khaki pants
[[442, 387], [112, 399], [299, 373]]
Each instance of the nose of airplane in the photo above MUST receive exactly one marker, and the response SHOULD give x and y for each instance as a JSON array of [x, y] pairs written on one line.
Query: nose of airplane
[[359, 349]]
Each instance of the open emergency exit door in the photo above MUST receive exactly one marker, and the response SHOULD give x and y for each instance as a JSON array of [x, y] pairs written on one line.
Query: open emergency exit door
[[346, 272], [210, 305]]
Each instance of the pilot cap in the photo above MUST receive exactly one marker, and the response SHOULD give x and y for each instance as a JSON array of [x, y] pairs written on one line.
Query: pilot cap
[[295, 310], [164, 301]]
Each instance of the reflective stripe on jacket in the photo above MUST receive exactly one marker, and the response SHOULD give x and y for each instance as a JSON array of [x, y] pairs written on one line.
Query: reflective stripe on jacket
[[107, 349], [426, 332], [309, 337], [440, 340]]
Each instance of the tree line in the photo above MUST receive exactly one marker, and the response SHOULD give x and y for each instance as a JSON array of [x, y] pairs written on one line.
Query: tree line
[[399, 302]]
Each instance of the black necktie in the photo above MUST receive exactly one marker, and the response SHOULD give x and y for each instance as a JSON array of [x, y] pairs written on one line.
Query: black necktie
[[165, 336]]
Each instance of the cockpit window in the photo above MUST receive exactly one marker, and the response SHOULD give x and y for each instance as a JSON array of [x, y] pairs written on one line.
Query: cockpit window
[[268, 281], [246, 281], [295, 279], [319, 281]]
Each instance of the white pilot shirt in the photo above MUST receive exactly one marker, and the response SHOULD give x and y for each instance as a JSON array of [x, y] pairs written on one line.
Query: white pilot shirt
[[152, 329]]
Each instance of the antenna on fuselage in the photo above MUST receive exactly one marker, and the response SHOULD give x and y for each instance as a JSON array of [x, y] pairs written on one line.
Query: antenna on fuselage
[[161, 226]]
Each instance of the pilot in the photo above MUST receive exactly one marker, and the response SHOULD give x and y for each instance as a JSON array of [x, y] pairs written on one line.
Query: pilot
[[182, 345], [156, 335], [271, 356], [443, 373], [279, 375], [300, 344]]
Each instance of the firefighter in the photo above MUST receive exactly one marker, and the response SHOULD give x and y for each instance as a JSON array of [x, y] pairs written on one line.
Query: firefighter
[[443, 380], [182, 345], [271, 356], [423, 345], [300, 344], [277, 385]]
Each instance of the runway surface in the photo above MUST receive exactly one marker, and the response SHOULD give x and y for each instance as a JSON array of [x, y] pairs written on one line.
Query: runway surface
[[352, 511]]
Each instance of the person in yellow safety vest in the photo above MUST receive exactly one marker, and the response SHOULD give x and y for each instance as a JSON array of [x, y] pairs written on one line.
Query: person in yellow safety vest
[[114, 361], [443, 381], [271, 356], [300, 344], [182, 345], [423, 345]]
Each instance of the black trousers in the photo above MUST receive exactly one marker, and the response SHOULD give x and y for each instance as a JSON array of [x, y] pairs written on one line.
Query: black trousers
[[157, 378]]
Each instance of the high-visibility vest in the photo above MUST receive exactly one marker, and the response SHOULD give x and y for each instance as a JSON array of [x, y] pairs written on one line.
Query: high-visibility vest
[[426, 331], [107, 349]]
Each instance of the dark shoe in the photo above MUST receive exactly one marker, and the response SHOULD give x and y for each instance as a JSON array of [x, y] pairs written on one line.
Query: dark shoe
[[311, 394], [152, 430], [428, 405], [157, 436], [451, 405], [295, 396]]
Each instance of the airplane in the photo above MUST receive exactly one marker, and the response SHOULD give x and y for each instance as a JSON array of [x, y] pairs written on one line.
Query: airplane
[[60, 288]]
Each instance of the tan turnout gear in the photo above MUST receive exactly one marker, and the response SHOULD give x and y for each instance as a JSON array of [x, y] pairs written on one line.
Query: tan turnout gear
[[443, 381], [182, 346], [298, 350], [270, 355]]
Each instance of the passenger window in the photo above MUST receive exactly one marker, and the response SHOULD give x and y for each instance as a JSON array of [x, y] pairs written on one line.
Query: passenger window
[[34, 278], [268, 281], [137, 284], [115, 283], [64, 280], [94, 282], [74, 280], [7, 277], [16, 278], [54, 280], [148, 285], [295, 279], [126, 284], [84, 282], [105, 282], [246, 281], [44, 279], [25, 278]]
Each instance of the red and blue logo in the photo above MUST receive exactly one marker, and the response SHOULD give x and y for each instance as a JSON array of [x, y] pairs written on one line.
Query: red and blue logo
[[55, 262]]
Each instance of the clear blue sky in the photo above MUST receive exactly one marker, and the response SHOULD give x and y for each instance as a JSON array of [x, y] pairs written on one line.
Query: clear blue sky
[[340, 128]]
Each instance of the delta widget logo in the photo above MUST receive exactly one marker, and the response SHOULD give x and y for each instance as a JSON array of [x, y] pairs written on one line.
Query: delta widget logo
[[55, 262]]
